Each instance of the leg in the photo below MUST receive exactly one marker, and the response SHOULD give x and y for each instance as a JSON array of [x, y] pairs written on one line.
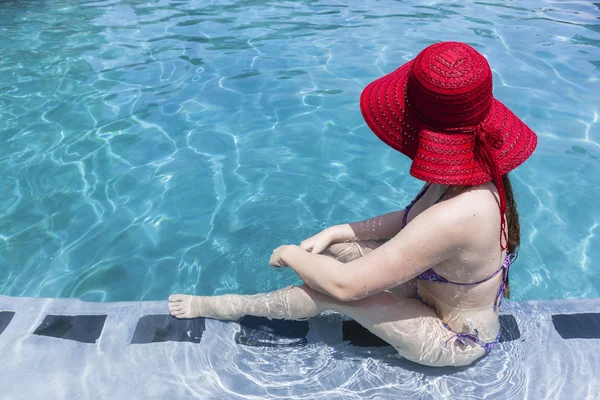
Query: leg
[[350, 251], [287, 303], [413, 329], [279, 304]]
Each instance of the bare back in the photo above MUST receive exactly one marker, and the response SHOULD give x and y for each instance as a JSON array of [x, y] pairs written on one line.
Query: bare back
[[479, 257]]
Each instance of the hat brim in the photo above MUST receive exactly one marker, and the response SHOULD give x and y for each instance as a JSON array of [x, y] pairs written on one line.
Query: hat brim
[[441, 157]]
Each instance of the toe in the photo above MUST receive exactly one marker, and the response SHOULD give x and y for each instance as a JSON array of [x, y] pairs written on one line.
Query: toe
[[175, 298], [180, 314]]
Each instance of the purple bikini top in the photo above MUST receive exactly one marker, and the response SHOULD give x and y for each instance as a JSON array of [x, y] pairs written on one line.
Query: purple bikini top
[[431, 276]]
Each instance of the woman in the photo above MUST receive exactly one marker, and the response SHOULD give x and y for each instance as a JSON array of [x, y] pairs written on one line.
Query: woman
[[428, 279]]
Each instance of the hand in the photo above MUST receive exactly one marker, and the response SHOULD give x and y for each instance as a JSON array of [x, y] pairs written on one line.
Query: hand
[[319, 242], [278, 254]]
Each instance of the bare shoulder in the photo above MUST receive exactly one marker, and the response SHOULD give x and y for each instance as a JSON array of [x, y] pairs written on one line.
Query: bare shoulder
[[473, 211], [469, 218]]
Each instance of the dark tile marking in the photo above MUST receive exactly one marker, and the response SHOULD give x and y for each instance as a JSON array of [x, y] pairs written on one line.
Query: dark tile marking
[[257, 331], [359, 336], [509, 329], [165, 328], [577, 326], [5, 318], [81, 328]]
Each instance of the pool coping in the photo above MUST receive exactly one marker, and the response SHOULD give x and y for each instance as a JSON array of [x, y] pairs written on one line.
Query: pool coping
[[552, 338]]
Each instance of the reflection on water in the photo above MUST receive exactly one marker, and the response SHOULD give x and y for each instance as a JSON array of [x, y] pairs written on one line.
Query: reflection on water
[[152, 147]]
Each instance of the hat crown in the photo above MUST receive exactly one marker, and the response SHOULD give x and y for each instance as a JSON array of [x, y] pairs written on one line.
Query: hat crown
[[449, 86]]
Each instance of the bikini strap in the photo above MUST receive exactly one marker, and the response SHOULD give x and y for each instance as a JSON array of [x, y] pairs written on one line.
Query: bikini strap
[[505, 267], [412, 203], [417, 198], [460, 337]]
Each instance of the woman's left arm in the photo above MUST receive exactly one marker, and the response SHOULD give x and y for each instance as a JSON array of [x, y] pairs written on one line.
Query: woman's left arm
[[433, 236]]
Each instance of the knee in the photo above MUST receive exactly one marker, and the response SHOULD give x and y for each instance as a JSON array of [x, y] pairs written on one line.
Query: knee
[[301, 303], [343, 252]]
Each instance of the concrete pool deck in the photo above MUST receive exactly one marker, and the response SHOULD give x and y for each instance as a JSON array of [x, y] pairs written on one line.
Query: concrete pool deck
[[69, 349]]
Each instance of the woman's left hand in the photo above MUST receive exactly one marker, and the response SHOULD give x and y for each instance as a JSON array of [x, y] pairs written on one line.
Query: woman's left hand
[[277, 258]]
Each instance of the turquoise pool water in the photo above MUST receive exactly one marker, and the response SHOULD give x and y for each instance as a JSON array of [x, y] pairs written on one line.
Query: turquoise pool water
[[158, 146]]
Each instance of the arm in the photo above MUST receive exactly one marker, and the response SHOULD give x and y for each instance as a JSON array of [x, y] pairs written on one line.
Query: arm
[[316, 270], [434, 235], [384, 226], [380, 227]]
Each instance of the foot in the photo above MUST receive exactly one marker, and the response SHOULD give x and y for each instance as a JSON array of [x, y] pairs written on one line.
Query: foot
[[185, 306]]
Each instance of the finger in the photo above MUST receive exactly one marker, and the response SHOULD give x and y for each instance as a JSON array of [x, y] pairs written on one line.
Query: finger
[[307, 246], [274, 261], [315, 248]]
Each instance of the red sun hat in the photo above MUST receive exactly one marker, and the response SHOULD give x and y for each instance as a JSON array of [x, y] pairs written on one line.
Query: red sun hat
[[439, 110]]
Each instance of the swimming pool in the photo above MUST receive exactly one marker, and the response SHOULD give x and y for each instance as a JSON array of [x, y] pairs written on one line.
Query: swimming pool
[[169, 146]]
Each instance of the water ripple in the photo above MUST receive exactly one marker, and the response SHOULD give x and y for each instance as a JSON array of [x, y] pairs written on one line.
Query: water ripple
[[170, 146]]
